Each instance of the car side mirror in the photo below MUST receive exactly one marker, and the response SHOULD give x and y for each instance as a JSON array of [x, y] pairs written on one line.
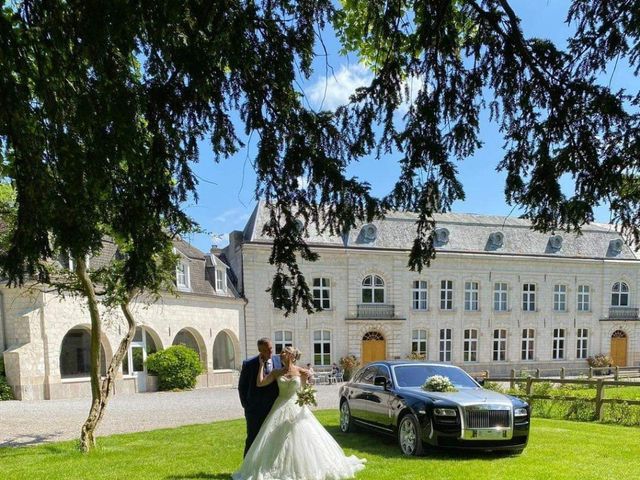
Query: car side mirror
[[381, 382], [480, 380]]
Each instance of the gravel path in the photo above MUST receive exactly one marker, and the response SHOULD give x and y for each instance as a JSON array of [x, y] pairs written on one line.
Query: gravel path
[[29, 423]]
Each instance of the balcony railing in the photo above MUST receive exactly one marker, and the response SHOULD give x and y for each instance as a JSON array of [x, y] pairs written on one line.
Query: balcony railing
[[376, 310], [624, 313]]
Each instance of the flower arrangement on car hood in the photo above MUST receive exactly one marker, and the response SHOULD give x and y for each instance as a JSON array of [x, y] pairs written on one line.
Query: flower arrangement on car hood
[[438, 383], [307, 396]]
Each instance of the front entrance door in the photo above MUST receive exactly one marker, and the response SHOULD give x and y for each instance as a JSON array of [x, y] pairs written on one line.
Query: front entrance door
[[134, 363], [374, 347], [619, 348]]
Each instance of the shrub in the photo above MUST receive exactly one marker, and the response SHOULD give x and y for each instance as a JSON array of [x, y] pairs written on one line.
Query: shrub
[[349, 364], [177, 367], [5, 390], [622, 413], [495, 386], [600, 360], [416, 356]]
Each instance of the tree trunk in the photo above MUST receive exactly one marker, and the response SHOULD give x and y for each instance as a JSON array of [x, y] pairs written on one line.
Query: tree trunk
[[100, 390]]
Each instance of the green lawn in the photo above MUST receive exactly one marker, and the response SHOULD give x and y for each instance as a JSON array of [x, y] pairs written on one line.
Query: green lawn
[[557, 450]]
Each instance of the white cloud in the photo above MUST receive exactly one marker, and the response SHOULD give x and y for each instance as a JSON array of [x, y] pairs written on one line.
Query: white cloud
[[235, 214], [334, 90]]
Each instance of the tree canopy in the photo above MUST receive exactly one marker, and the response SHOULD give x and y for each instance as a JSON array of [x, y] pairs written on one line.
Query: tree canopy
[[112, 91]]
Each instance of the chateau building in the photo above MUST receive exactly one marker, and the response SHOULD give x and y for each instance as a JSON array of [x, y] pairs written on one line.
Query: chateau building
[[498, 295], [44, 338]]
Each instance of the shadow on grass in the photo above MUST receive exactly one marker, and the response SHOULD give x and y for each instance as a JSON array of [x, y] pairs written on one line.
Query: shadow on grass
[[386, 446], [216, 476]]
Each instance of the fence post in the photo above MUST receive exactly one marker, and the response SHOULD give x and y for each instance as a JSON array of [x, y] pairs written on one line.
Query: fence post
[[590, 373], [615, 375], [529, 384], [537, 373], [562, 373], [599, 398], [512, 383]]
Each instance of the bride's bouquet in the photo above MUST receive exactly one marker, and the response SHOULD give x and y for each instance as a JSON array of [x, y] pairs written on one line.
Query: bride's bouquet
[[307, 396]]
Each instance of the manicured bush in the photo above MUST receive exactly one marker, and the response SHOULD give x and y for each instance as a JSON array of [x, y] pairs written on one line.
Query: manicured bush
[[600, 360], [177, 367], [5, 390]]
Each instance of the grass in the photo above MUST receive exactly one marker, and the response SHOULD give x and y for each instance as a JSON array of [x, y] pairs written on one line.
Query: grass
[[557, 450]]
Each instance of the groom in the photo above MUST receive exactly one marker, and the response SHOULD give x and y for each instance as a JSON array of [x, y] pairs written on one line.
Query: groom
[[257, 401]]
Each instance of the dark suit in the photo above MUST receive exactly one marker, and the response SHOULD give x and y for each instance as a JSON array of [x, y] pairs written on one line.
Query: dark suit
[[256, 401]]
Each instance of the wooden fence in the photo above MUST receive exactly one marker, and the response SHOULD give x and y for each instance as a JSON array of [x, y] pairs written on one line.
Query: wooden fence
[[599, 384]]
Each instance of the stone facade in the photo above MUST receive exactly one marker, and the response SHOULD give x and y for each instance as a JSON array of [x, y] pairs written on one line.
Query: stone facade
[[345, 262], [36, 322]]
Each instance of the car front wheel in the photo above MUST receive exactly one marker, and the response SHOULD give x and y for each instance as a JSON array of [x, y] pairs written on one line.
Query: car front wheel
[[409, 435], [346, 422]]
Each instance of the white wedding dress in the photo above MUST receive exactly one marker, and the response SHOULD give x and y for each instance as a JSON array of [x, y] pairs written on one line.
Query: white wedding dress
[[293, 445]]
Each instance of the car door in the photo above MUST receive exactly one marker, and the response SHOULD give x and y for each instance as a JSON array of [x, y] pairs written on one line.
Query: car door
[[379, 400], [359, 394]]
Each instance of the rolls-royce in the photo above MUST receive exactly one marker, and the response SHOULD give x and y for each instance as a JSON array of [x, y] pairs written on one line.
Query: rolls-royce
[[388, 397]]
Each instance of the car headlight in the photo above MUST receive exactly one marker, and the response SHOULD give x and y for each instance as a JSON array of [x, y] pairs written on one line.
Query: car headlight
[[444, 412], [520, 412]]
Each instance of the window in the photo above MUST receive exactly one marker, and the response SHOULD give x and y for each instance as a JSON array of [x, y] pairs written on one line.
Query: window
[[529, 297], [322, 293], [322, 347], [182, 275], [221, 280], [470, 345], [500, 297], [471, 303], [419, 342], [186, 338], [528, 338], [584, 298], [281, 339], [560, 298], [582, 347], [558, 343], [499, 345], [420, 295], [224, 357], [446, 295], [372, 289], [445, 345], [75, 354], [620, 295]]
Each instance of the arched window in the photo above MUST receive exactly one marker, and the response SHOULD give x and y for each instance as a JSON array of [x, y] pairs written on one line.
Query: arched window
[[224, 356], [186, 338], [620, 295], [75, 354], [377, 336], [373, 289]]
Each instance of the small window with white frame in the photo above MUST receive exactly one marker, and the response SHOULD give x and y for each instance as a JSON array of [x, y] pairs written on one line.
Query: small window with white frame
[[560, 298], [558, 344], [620, 295], [221, 278], [529, 297], [419, 293], [499, 345], [322, 293], [470, 346], [373, 289], [582, 343], [528, 344], [445, 345], [446, 295], [500, 297], [282, 339], [182, 275], [471, 296], [419, 342], [584, 298], [322, 347]]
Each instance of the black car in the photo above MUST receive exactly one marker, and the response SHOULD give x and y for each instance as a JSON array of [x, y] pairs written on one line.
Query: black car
[[387, 397]]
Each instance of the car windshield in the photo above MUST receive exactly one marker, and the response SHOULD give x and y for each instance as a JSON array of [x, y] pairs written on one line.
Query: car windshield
[[416, 375]]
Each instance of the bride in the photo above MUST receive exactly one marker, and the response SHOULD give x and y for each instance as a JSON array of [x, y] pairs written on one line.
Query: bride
[[292, 444]]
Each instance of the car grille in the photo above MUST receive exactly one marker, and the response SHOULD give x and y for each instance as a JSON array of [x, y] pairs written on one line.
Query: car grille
[[486, 418]]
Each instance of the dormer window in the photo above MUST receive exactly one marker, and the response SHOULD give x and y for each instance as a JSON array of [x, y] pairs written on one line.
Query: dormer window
[[182, 275], [221, 279]]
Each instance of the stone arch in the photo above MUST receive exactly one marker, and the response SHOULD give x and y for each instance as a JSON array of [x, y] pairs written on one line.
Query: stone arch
[[226, 351], [75, 353], [191, 338], [152, 337]]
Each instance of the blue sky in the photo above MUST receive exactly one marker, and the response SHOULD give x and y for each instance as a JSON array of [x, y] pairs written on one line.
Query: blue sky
[[226, 189]]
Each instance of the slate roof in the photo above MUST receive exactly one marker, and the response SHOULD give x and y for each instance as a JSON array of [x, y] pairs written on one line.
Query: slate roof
[[466, 233]]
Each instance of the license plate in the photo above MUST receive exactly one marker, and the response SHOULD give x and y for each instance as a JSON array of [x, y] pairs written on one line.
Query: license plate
[[490, 434]]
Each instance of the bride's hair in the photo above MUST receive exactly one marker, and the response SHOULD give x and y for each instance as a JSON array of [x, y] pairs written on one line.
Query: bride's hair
[[294, 352]]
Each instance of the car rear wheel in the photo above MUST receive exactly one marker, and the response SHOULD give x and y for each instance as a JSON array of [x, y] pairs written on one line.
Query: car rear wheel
[[346, 422], [409, 436]]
